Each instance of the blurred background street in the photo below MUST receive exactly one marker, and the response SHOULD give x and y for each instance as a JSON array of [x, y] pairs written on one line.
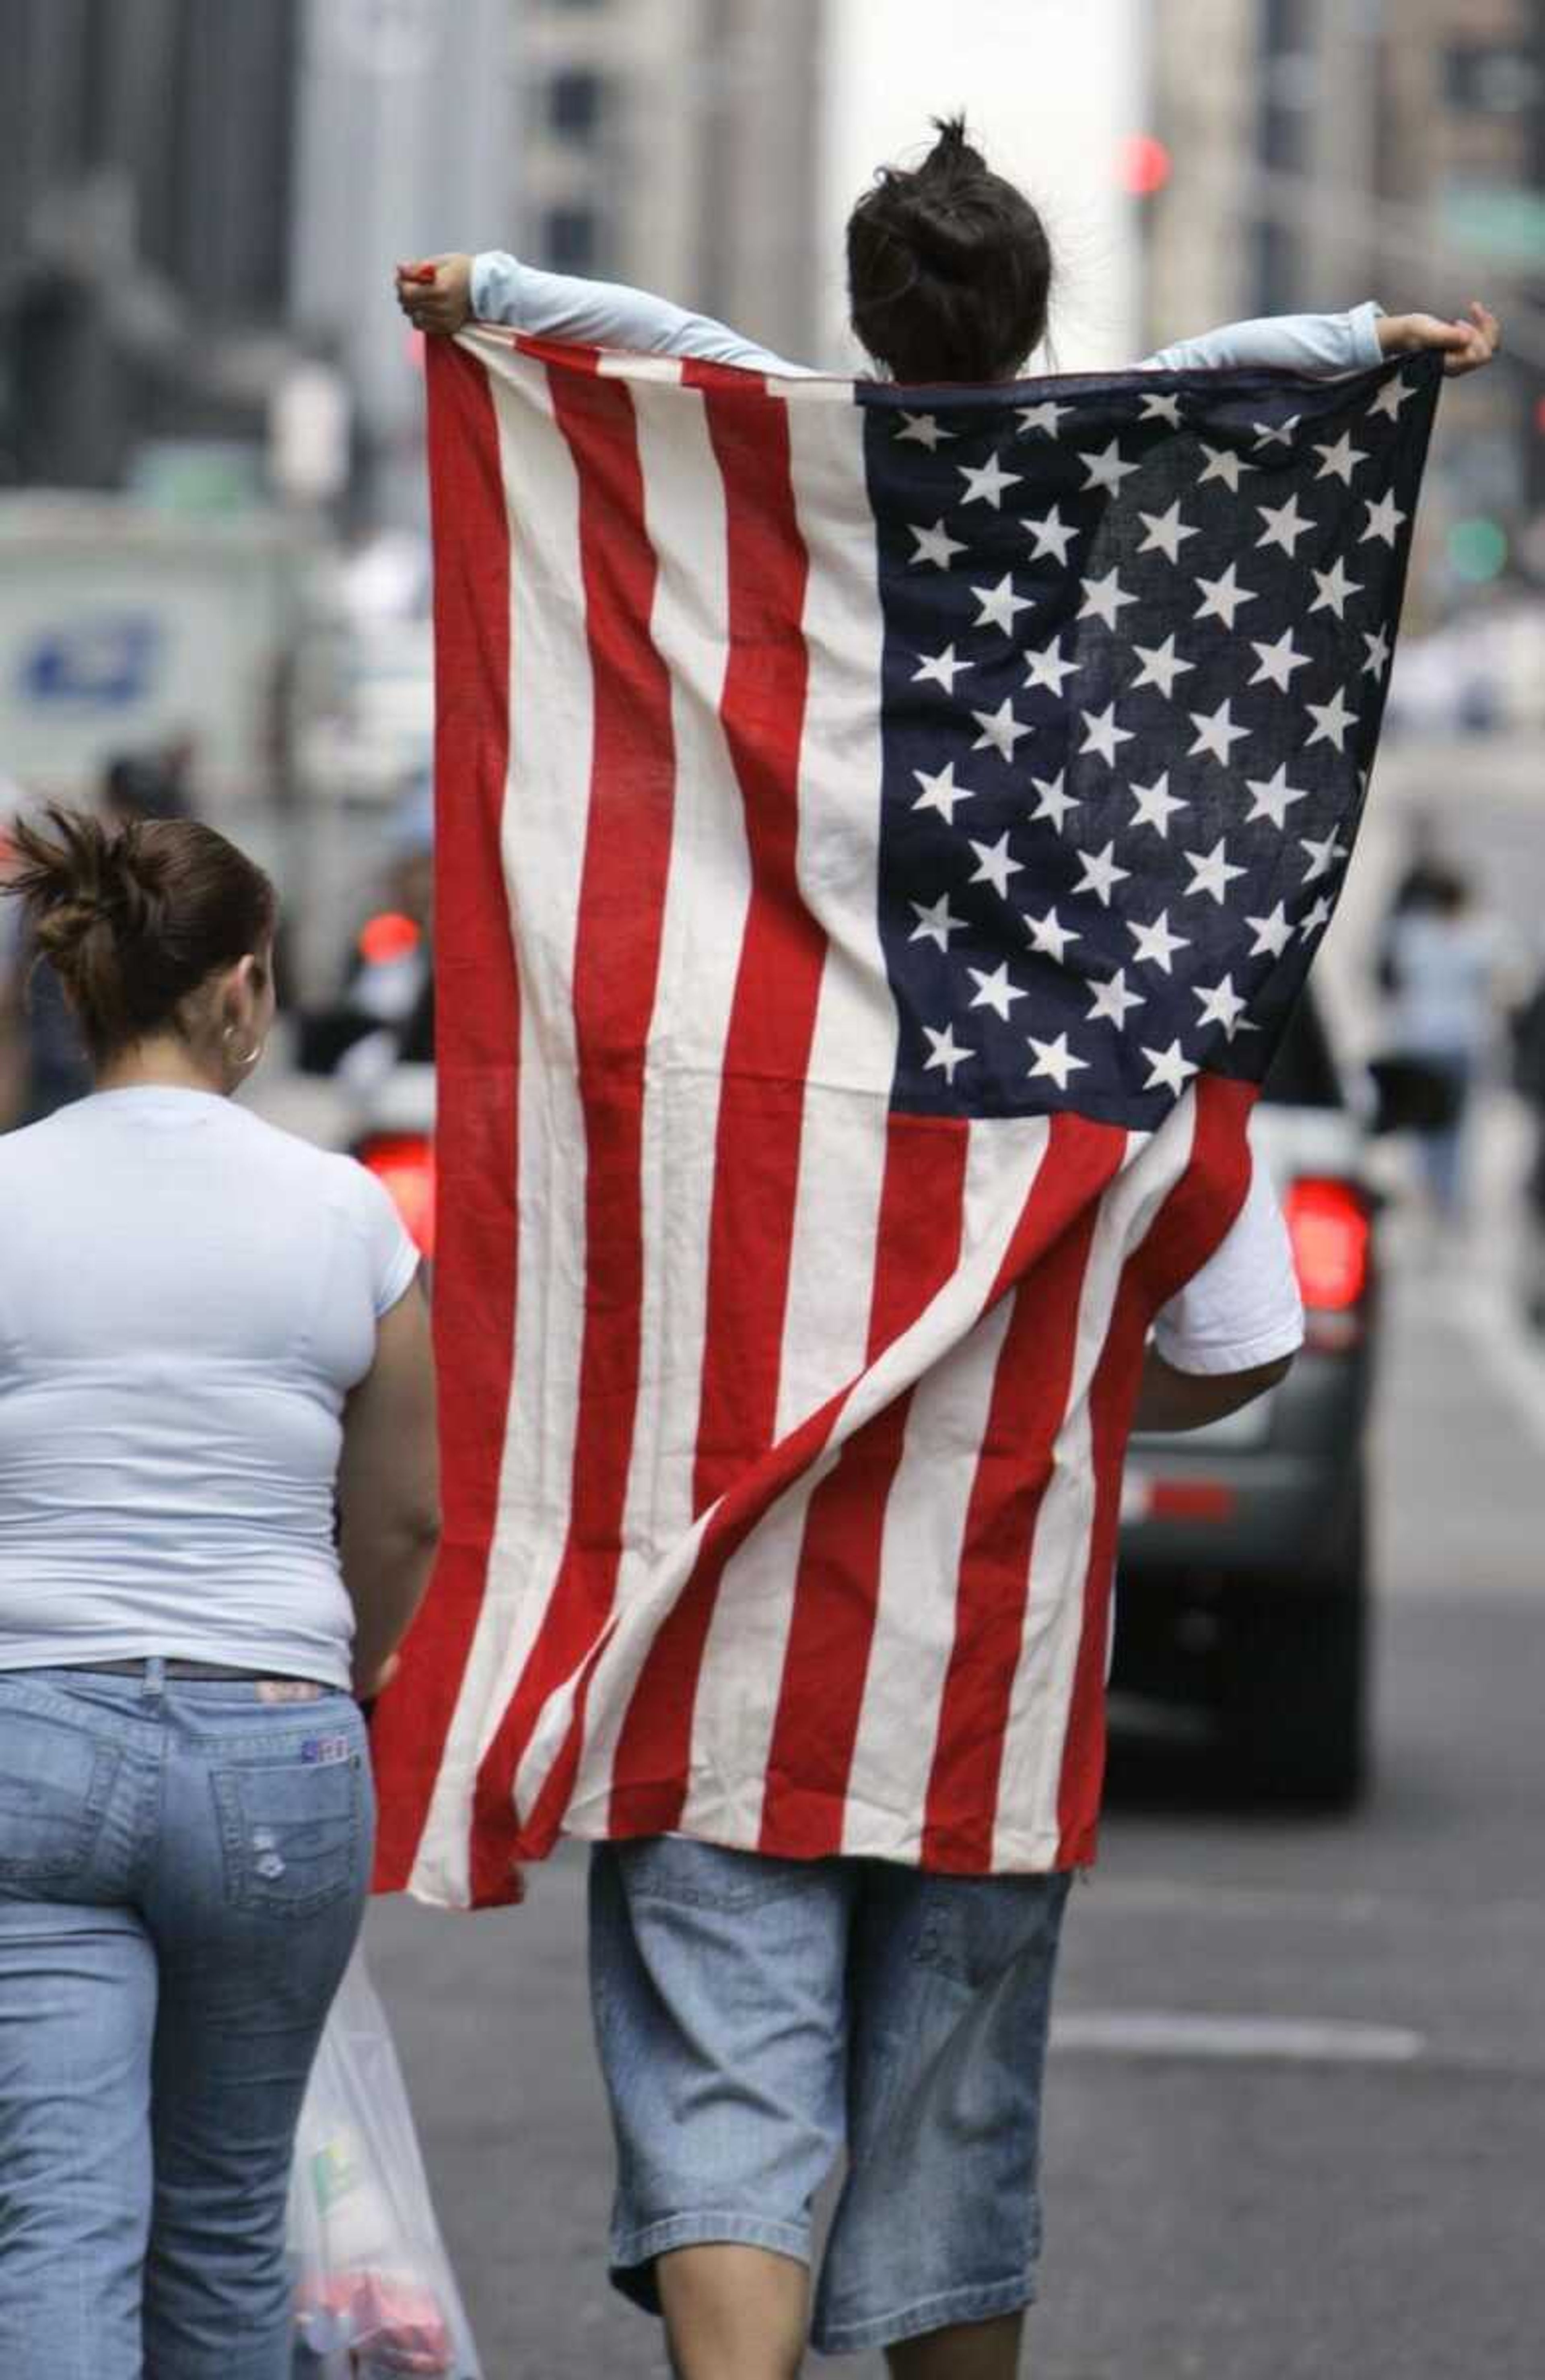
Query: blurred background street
[[1298, 2087]]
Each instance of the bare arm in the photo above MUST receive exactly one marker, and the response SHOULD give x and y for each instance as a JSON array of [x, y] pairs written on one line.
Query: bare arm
[[1169, 1398], [389, 1488]]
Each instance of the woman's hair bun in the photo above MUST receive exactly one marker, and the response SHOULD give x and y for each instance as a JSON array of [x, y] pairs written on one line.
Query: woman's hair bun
[[134, 918], [949, 266]]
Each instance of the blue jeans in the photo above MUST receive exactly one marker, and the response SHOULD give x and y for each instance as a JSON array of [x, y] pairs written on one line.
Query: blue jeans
[[758, 2016], [183, 1866]]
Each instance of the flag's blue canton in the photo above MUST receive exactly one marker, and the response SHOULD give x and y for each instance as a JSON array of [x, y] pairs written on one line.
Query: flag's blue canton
[[1137, 642]]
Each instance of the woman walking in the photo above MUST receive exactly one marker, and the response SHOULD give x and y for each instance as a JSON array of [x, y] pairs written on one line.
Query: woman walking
[[208, 1334], [758, 2016]]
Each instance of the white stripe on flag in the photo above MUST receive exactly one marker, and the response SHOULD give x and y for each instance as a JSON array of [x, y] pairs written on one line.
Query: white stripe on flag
[[546, 807], [698, 960], [1026, 1831], [927, 1511]]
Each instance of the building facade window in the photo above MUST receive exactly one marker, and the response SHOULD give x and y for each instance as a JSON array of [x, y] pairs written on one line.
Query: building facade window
[[576, 103], [570, 238]]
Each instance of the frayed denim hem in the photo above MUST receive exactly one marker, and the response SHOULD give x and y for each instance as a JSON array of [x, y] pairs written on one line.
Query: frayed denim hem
[[950, 2306], [633, 2254]]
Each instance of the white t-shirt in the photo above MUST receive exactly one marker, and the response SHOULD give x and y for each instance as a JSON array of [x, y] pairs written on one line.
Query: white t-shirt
[[1243, 1309], [187, 1297]]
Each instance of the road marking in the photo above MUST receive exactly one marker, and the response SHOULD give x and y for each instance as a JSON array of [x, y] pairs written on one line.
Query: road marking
[[1111, 1896], [1161, 2033]]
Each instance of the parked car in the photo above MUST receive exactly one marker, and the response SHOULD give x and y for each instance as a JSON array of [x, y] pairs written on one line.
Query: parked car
[[1242, 1577]]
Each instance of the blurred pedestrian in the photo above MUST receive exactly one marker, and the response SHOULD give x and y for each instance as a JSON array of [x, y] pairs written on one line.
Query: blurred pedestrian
[[211, 1333], [755, 2015], [1446, 962]]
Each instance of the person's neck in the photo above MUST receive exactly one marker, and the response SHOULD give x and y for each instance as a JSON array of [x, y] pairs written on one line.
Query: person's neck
[[158, 1065]]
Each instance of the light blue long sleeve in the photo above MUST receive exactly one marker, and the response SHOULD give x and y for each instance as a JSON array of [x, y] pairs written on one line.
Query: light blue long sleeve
[[608, 314]]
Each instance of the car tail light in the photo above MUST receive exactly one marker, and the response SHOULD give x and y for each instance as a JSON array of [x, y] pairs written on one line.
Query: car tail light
[[1331, 1228], [403, 1161]]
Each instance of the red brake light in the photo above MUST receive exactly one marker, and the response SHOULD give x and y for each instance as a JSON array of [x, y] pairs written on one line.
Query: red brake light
[[1329, 1226], [403, 1161]]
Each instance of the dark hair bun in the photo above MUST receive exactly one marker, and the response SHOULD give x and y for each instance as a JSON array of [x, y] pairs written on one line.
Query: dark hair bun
[[134, 918], [949, 266]]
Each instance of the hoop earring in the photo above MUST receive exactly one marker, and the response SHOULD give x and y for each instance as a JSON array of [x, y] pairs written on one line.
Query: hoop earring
[[244, 1059]]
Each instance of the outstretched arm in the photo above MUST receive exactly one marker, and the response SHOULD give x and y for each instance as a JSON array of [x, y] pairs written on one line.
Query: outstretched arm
[[1328, 344], [443, 292]]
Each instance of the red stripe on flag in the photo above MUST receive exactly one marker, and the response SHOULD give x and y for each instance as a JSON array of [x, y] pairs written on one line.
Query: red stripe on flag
[[615, 963], [773, 1019], [478, 1023], [1189, 1228], [766, 1053], [837, 1586], [1045, 1268]]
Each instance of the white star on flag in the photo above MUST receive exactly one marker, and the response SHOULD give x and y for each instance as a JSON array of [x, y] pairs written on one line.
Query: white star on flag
[[1159, 667], [935, 545], [1156, 805], [1331, 721], [1216, 731], [1049, 936], [942, 668], [923, 430], [1222, 597], [1223, 464], [945, 1052], [1162, 408], [941, 793], [1213, 872], [1055, 1059], [1000, 603], [1273, 796], [1101, 874], [1323, 856], [1045, 416], [1048, 669], [1320, 915], [994, 866], [986, 484], [995, 990], [1382, 519], [1220, 1004], [1285, 526], [1156, 944], [1112, 1001], [1272, 934], [1106, 469], [1000, 729], [1102, 734], [934, 922], [1377, 652], [1168, 1069], [1053, 803], [1278, 662], [1051, 533], [1341, 459], [1166, 532], [1390, 398], [1103, 598], [1334, 587], [1280, 436]]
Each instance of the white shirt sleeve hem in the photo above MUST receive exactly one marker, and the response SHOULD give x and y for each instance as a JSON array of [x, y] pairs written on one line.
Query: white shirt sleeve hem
[[1241, 1356]]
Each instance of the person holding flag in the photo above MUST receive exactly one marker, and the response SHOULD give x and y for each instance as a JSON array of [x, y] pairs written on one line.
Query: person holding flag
[[885, 825]]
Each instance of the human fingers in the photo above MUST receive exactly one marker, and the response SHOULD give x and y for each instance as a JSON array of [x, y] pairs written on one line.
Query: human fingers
[[1482, 337]]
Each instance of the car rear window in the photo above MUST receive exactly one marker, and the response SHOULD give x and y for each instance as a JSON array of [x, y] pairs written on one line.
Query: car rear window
[[1304, 1072]]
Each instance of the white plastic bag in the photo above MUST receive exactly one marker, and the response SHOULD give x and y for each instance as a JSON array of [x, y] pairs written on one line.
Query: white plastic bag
[[375, 2293]]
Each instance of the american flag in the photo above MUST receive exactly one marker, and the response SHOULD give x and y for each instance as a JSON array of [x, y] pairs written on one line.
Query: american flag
[[882, 834]]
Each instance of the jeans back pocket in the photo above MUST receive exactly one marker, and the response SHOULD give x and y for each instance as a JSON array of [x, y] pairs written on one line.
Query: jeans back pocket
[[293, 1831], [54, 1781]]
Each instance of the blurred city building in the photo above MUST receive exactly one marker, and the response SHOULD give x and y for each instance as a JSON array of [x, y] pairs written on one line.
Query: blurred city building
[[676, 143], [1335, 150]]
